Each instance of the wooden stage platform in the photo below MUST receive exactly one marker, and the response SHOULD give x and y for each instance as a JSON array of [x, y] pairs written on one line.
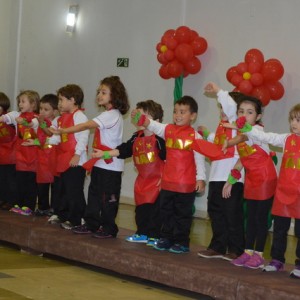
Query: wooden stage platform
[[215, 277]]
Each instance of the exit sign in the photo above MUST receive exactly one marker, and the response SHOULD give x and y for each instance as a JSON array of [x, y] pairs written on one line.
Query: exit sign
[[123, 62]]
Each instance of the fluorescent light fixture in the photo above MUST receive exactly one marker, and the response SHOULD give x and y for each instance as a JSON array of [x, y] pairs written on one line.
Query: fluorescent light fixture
[[72, 18]]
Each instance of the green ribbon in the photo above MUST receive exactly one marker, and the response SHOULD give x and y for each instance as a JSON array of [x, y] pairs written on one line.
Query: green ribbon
[[178, 88]]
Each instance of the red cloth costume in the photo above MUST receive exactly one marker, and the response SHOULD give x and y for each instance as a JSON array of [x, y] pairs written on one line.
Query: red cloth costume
[[180, 170], [46, 156], [97, 145], [26, 157], [260, 172], [66, 148], [149, 167], [7, 144], [287, 195]]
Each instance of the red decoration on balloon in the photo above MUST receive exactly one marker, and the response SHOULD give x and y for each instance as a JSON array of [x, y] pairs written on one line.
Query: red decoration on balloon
[[177, 51], [257, 77]]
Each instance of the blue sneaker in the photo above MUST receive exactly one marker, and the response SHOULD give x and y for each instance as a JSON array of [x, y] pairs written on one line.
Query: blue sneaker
[[152, 242], [177, 248], [163, 244], [136, 238]]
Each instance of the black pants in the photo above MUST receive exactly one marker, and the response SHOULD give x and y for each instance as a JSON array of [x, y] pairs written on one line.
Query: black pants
[[72, 196], [56, 194], [257, 223], [103, 200], [176, 210], [26, 189], [279, 244], [147, 218], [227, 220], [8, 184]]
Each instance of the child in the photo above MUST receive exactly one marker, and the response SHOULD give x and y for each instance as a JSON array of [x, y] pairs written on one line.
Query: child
[[45, 153], [71, 155], [226, 215], [26, 157], [259, 187], [106, 175], [7, 158], [148, 152], [287, 198], [179, 185]]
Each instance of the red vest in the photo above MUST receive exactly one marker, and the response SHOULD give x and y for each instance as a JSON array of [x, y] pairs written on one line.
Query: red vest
[[149, 167], [260, 172], [287, 195], [180, 170], [26, 156], [46, 156], [7, 144], [66, 148]]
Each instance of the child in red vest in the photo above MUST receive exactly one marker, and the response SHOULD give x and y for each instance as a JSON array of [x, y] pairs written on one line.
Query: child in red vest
[[7, 158], [148, 152], [183, 175], [26, 157], [71, 155]]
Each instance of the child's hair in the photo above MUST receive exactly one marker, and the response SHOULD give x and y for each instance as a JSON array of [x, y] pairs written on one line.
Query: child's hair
[[152, 108], [51, 99], [119, 98], [72, 91], [4, 102], [33, 97], [294, 112], [254, 101], [236, 96], [189, 101]]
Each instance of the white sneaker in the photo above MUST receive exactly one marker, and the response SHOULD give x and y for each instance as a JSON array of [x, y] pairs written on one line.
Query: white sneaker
[[54, 219]]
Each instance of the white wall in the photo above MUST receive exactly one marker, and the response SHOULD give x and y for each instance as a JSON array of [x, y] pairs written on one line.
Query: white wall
[[49, 58]]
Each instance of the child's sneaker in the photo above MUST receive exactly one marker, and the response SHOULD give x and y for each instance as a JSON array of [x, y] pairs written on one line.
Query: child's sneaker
[[210, 253], [81, 229], [163, 244], [152, 242], [274, 266], [136, 238], [16, 209], [241, 260], [54, 220], [255, 262], [177, 248], [295, 273], [66, 225], [26, 211], [100, 234]]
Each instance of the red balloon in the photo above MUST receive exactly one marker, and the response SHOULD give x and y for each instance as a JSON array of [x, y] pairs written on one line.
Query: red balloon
[[242, 67], [170, 42], [169, 33], [184, 52], [276, 90], [193, 35], [193, 66], [169, 55], [254, 67], [175, 68], [245, 87], [255, 56], [262, 93], [199, 45], [161, 58], [257, 79], [158, 47], [183, 34], [230, 72], [163, 72], [272, 70], [236, 79]]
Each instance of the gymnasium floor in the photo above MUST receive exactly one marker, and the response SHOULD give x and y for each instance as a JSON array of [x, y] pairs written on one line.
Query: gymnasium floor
[[24, 276]]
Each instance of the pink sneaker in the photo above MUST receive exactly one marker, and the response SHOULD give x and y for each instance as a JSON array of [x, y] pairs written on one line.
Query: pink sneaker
[[241, 260], [16, 209], [255, 262]]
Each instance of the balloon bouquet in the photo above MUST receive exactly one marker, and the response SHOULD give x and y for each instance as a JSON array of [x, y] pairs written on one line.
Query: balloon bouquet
[[177, 52], [257, 77]]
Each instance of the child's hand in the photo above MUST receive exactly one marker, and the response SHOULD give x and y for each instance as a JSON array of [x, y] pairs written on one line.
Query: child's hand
[[19, 120], [29, 142], [225, 146], [211, 88], [229, 125], [97, 153], [226, 192], [57, 131], [200, 186], [75, 160]]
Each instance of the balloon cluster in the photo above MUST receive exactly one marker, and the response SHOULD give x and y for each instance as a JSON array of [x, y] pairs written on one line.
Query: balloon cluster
[[177, 52], [257, 77]]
